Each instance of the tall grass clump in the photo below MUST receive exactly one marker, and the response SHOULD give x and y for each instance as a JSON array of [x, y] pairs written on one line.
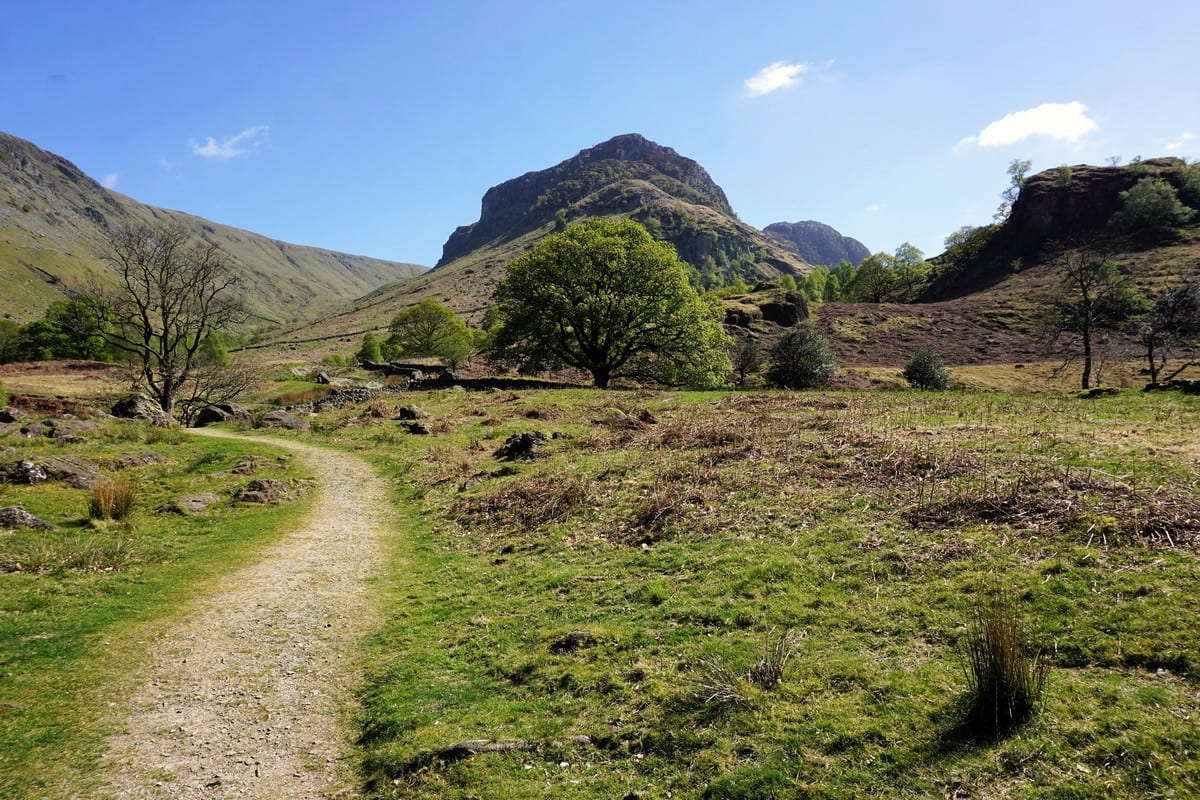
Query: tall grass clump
[[112, 498], [1005, 677]]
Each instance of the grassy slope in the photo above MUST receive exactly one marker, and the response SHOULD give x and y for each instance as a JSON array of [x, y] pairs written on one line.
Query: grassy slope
[[50, 241], [70, 639], [779, 511]]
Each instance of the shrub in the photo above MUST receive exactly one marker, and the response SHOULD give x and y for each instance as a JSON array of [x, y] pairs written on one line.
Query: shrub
[[371, 349], [926, 370], [1004, 678], [112, 498], [1151, 205], [802, 359]]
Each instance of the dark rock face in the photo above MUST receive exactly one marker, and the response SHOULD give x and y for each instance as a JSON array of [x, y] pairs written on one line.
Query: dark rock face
[[527, 444], [524, 203], [221, 412], [282, 419], [10, 415], [818, 243], [17, 517], [139, 406], [786, 311]]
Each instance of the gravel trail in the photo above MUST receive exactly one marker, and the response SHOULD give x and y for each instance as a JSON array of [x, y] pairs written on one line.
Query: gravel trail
[[248, 698]]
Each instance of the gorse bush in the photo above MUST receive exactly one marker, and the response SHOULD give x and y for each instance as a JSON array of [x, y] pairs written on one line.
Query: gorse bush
[[926, 370], [801, 359], [1004, 677], [112, 498]]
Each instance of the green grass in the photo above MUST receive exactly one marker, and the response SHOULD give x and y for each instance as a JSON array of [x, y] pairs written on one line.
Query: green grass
[[778, 512], [79, 606]]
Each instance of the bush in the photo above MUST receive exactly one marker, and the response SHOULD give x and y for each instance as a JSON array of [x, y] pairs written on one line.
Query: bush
[[1151, 205], [802, 359], [926, 370], [112, 498], [371, 349], [1004, 678]]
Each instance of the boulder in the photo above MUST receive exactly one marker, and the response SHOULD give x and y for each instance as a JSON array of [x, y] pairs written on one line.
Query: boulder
[[419, 428], [409, 411], [74, 428], [9, 414], [139, 406], [282, 419], [34, 430], [527, 444], [264, 490], [23, 472], [17, 517], [220, 412], [248, 465], [191, 503], [323, 378]]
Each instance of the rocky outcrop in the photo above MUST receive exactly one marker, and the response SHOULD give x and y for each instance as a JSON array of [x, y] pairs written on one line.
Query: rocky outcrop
[[139, 406], [221, 412], [191, 504], [520, 446], [282, 419], [17, 517], [818, 243]]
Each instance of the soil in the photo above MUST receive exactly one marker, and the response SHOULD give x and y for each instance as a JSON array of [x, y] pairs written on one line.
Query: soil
[[249, 697]]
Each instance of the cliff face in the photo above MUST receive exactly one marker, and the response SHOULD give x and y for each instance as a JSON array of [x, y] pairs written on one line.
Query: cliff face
[[53, 219], [1057, 208], [627, 175], [818, 243]]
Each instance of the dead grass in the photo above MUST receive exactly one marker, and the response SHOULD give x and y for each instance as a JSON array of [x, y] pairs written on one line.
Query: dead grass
[[112, 498], [528, 503]]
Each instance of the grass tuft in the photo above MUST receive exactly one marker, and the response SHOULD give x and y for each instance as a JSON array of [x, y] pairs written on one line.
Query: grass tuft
[[112, 498], [1005, 677]]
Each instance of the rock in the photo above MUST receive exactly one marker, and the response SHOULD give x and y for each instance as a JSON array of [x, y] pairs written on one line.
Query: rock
[[73, 471], [785, 312], [419, 428], [409, 411], [572, 642], [248, 465], [9, 414], [60, 428], [265, 490], [282, 419], [17, 517], [34, 430], [221, 412], [23, 472], [131, 460], [323, 378], [191, 503], [523, 445], [139, 406]]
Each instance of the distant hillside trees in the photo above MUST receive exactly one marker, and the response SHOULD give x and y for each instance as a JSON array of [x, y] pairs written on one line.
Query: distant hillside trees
[[889, 278], [171, 295], [68, 330], [605, 297], [801, 359], [1094, 299], [1151, 205], [1172, 330], [429, 329]]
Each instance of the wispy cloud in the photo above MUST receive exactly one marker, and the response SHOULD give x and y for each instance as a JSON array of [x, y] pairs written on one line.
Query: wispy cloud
[[1177, 144], [1066, 122], [110, 180], [775, 76], [874, 208], [237, 145]]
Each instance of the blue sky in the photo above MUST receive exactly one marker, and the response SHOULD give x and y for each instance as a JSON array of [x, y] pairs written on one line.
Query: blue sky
[[375, 128]]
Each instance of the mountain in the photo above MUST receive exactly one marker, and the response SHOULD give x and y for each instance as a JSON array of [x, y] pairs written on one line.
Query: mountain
[[629, 176], [52, 221], [818, 243]]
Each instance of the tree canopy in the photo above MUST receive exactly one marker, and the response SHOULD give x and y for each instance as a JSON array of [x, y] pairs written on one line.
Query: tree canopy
[[430, 329], [605, 297]]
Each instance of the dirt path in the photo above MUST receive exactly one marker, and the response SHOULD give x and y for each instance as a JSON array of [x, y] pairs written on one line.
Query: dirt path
[[248, 698]]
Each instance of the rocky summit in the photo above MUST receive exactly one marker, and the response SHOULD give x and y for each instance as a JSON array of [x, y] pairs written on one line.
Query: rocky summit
[[818, 243]]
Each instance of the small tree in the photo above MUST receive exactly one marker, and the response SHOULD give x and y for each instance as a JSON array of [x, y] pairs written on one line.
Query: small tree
[[747, 359], [873, 281], [171, 294], [430, 329], [1151, 205], [801, 359], [926, 370], [1172, 325], [370, 350], [605, 297], [1093, 297], [1017, 170]]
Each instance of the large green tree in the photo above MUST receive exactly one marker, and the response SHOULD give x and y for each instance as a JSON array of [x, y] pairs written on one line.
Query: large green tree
[[430, 329], [605, 297]]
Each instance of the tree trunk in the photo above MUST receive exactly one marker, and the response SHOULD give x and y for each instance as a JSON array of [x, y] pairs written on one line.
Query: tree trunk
[[600, 378], [1087, 359]]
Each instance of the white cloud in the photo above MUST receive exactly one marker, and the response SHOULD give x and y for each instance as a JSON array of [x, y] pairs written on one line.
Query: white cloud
[[1067, 122], [110, 180], [1178, 143], [873, 208], [237, 145], [775, 76]]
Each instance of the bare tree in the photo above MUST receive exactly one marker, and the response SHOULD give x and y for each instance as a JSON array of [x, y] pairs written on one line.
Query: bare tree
[[171, 293], [1172, 329], [1094, 299]]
